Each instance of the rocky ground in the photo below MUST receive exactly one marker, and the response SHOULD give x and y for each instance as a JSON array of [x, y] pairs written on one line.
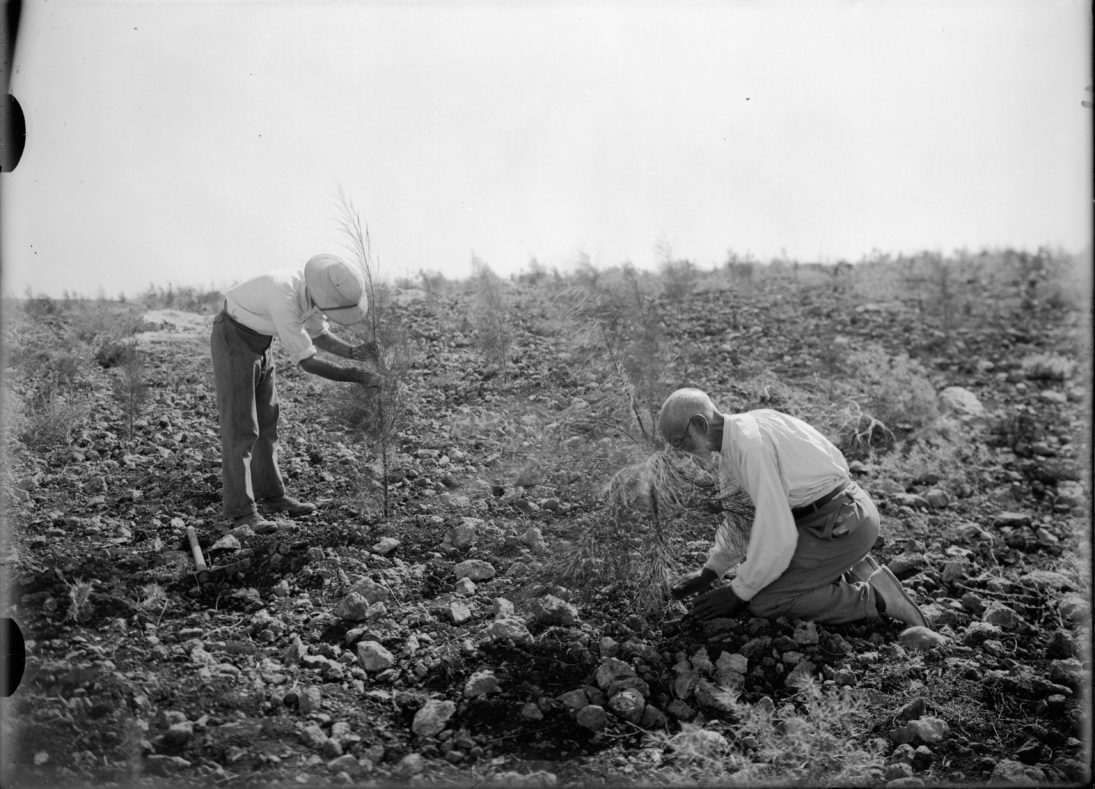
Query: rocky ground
[[446, 642]]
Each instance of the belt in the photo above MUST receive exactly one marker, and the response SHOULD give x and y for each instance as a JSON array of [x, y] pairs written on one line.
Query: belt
[[239, 325], [814, 506]]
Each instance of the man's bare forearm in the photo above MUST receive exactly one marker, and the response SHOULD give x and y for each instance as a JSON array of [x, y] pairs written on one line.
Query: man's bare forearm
[[332, 344], [334, 372]]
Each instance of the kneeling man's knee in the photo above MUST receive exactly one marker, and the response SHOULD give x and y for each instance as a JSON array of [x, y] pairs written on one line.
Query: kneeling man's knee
[[768, 606]]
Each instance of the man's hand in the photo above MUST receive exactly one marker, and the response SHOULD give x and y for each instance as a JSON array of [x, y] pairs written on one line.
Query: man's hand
[[716, 603], [366, 352], [367, 379], [692, 583]]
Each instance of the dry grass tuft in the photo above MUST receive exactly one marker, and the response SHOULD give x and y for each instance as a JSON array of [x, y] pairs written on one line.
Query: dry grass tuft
[[819, 738]]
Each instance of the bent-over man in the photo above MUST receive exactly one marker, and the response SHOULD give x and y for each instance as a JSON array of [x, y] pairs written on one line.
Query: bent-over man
[[294, 305]]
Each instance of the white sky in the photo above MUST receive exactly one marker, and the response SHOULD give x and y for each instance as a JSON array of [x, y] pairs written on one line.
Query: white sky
[[203, 142]]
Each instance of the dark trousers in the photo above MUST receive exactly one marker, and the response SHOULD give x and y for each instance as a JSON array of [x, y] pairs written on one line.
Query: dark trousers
[[830, 541], [247, 402]]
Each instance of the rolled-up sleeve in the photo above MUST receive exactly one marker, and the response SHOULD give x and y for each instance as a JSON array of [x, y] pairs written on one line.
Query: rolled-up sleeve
[[295, 331], [723, 554]]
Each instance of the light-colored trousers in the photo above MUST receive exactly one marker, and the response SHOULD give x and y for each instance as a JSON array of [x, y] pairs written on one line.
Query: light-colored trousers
[[830, 541]]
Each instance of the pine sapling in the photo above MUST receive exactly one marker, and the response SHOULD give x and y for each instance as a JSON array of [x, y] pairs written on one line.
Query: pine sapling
[[379, 414], [130, 387]]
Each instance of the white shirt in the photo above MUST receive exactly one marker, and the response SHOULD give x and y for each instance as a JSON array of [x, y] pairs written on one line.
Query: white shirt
[[781, 463], [276, 303]]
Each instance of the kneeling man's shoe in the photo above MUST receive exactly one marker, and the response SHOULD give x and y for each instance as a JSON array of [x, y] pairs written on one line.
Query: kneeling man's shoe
[[896, 602], [291, 507]]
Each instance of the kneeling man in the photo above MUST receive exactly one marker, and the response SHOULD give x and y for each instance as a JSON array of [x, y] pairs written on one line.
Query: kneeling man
[[812, 524]]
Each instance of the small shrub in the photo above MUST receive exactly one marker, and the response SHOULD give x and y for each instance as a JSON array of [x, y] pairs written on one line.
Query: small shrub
[[1048, 367], [49, 419], [490, 316], [534, 274], [819, 738], [64, 369], [40, 306], [154, 597], [79, 595], [860, 435], [432, 282], [115, 353], [678, 279], [896, 390], [100, 323], [945, 449]]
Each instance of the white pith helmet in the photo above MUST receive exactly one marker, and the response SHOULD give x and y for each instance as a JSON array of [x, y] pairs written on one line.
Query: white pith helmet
[[336, 289]]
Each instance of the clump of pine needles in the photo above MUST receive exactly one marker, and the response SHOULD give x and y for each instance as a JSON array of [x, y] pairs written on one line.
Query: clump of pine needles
[[634, 538]]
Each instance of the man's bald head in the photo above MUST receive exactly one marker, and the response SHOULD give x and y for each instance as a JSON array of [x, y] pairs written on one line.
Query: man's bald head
[[680, 408]]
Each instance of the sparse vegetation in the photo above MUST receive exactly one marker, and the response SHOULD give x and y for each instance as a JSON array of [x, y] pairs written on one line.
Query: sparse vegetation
[[817, 738], [491, 317], [553, 487]]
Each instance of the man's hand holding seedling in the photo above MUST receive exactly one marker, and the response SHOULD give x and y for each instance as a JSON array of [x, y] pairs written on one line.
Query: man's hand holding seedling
[[365, 352], [716, 603], [693, 583], [368, 379]]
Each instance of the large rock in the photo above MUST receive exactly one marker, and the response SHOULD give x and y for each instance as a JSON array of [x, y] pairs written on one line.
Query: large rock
[[937, 499], [628, 704], [538, 778], [1074, 607], [482, 683], [509, 627], [929, 729], [1067, 671], [1002, 616], [709, 695], [574, 700], [386, 545], [347, 763], [960, 401], [701, 662], [533, 538], [592, 717], [977, 633], [920, 637], [611, 670], [799, 673], [805, 634], [1011, 519], [374, 657], [1010, 771], [371, 590], [352, 608], [462, 536], [430, 720], [550, 610], [731, 669], [460, 612], [475, 569]]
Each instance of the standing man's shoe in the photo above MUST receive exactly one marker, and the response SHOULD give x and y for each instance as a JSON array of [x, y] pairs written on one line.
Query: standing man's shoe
[[255, 523], [291, 507]]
